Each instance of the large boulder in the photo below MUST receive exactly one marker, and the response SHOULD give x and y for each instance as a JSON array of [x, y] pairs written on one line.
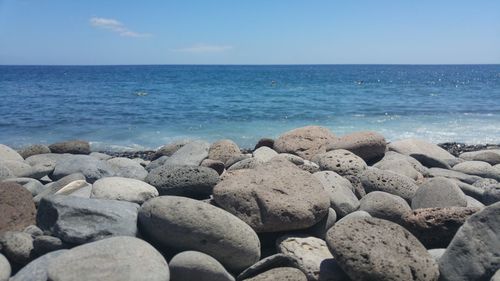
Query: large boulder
[[16, 207], [117, 258], [223, 150], [385, 206], [478, 168], [416, 146], [7, 153], [491, 156], [342, 162], [92, 168], [438, 192], [275, 196], [374, 179], [305, 142], [123, 189], [191, 153], [368, 145], [185, 224], [72, 147], [192, 265], [473, 254], [78, 220], [340, 192], [127, 168], [376, 249]]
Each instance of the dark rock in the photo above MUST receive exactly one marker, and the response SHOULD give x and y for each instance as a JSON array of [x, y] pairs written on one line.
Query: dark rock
[[370, 146], [90, 167], [491, 194], [37, 269], [169, 149], [218, 166], [280, 274], [17, 247], [34, 150], [264, 142], [430, 162], [16, 207], [191, 153], [72, 147], [44, 244], [192, 265]]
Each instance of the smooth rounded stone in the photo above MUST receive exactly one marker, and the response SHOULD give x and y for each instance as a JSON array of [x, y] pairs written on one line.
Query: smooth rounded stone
[[5, 269], [236, 159], [33, 230], [473, 202], [7, 153], [46, 162], [192, 265], [20, 169], [117, 258], [469, 189], [5, 173], [37, 269], [264, 142], [340, 192], [394, 156], [481, 183], [17, 246], [399, 166], [16, 207], [53, 187], [32, 185], [491, 194], [191, 153], [438, 192], [190, 181], [79, 188], [123, 189], [297, 160], [376, 249], [438, 172], [356, 214], [430, 162], [169, 149], [368, 145], [141, 161], [374, 179], [156, 163], [216, 165], [264, 154], [319, 230], [34, 150], [309, 166], [265, 264], [186, 224], [496, 276], [44, 244], [473, 254], [416, 146], [435, 227], [248, 163], [280, 274], [436, 253], [100, 156], [127, 168], [491, 156], [385, 206], [305, 142], [72, 147], [223, 150], [79, 220], [90, 167], [275, 196], [341, 161], [478, 168]]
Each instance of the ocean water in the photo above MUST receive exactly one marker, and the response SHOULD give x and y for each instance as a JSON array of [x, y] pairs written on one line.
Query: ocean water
[[137, 107]]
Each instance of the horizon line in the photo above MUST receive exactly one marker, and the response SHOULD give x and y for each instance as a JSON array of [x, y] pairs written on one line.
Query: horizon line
[[257, 64]]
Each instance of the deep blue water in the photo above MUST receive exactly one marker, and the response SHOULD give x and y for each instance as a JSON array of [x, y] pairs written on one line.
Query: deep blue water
[[43, 104]]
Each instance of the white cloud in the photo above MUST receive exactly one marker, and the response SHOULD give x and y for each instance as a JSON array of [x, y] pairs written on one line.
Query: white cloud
[[115, 26], [205, 48]]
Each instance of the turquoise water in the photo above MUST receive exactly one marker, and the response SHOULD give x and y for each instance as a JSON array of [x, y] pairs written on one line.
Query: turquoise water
[[147, 106]]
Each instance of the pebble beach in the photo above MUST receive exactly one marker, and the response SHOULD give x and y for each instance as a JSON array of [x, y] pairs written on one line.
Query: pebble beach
[[307, 205]]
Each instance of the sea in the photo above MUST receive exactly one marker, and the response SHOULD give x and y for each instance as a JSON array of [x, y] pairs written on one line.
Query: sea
[[145, 106]]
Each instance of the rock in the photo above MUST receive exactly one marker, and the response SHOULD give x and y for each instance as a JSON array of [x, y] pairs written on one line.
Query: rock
[[127, 168], [16, 207], [472, 202], [491, 194], [249, 163], [385, 206], [7, 153], [293, 158], [274, 196], [34, 150], [32, 185], [117, 258], [192, 265], [470, 190], [52, 188], [319, 230], [20, 169], [17, 246], [340, 192], [265, 264], [305, 142], [280, 274], [491, 156], [77, 220], [37, 269], [438, 192], [218, 166], [309, 166], [438, 172], [237, 159], [264, 154], [156, 163], [436, 253], [190, 154], [391, 156], [5, 269], [473, 254], [341, 161], [416, 146], [496, 276], [45, 163], [478, 168], [430, 162], [374, 179], [44, 244], [5, 173], [482, 183], [123, 189], [264, 142], [90, 167], [223, 150], [375, 249], [100, 156], [79, 188], [400, 167], [33, 230], [169, 149], [435, 227], [370, 146], [189, 181], [72, 147], [356, 214], [186, 224]]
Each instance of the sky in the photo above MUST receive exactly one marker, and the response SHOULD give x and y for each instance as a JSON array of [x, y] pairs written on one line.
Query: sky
[[94, 32]]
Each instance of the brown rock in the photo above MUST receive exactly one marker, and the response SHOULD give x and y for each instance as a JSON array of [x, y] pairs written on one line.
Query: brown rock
[[17, 209], [73, 147], [223, 150], [305, 142], [368, 145], [265, 142]]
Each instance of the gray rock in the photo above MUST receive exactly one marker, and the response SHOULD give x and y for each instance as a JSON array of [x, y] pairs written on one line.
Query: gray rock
[[438, 172], [399, 166], [473, 254], [7, 153], [265, 264], [341, 161], [491, 194], [127, 168], [192, 265], [392, 156], [156, 163], [33, 185], [44, 244], [275, 196], [34, 150], [215, 165], [5, 269], [123, 189], [340, 192], [79, 188], [280, 274], [76, 220], [190, 154], [20, 169], [469, 189], [17, 246], [233, 160], [186, 224], [357, 214], [52, 188], [496, 276], [169, 149], [431, 162], [416, 146], [100, 156], [37, 269], [385, 206], [190, 181], [5, 173], [72, 147], [482, 183], [491, 156], [438, 192], [319, 230], [436, 253], [374, 179], [375, 249], [33, 230], [297, 160], [248, 163], [474, 203], [264, 154], [309, 166], [478, 168], [90, 167], [223, 150], [305, 142], [46, 162], [264, 142], [368, 145], [117, 258]]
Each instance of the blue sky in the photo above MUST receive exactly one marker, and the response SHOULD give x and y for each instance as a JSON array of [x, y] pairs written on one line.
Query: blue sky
[[249, 31]]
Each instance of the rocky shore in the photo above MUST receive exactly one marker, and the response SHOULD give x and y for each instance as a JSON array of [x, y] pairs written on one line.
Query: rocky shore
[[308, 205]]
